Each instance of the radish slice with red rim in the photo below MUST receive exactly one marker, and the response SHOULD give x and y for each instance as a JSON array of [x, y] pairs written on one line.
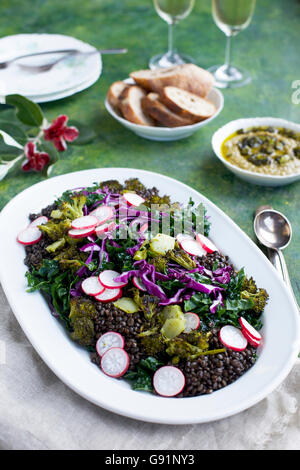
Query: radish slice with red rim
[[252, 332], [133, 199], [250, 339], [206, 243], [42, 220], [92, 286], [109, 340], [29, 236], [85, 222], [103, 213], [138, 283], [144, 227], [183, 236], [103, 228], [115, 362], [192, 322], [168, 381], [232, 338], [108, 295], [80, 233], [107, 279], [192, 247]]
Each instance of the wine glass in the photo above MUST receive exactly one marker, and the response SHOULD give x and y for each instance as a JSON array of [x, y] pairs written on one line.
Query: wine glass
[[171, 11], [231, 16]]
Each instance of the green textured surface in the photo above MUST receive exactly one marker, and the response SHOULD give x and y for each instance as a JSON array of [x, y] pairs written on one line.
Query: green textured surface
[[269, 49]]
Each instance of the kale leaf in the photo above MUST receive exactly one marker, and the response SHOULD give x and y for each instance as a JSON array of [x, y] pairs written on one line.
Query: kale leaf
[[142, 377]]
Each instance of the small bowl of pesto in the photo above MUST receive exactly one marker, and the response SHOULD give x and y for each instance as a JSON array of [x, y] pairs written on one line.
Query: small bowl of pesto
[[262, 151]]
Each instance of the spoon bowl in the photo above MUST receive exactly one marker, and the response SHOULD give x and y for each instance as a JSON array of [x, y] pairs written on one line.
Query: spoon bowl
[[272, 229]]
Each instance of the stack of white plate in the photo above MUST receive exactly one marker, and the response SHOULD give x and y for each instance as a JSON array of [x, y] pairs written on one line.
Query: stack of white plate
[[69, 76]]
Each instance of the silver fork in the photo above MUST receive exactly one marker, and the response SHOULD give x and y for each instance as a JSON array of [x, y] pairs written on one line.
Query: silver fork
[[66, 53]]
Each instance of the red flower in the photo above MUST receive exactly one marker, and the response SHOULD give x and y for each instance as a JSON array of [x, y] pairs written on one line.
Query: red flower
[[35, 160], [59, 133]]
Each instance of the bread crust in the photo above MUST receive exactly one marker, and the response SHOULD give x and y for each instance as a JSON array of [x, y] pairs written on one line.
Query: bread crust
[[152, 105], [114, 93], [131, 106], [188, 77], [190, 106]]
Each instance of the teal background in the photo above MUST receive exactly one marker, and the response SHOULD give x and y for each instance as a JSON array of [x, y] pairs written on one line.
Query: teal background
[[269, 49]]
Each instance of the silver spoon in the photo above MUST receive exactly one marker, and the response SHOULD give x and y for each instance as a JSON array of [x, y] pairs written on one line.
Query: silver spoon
[[271, 253], [274, 231], [66, 53]]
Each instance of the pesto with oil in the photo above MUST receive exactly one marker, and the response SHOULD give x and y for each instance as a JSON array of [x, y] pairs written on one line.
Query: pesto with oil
[[265, 150]]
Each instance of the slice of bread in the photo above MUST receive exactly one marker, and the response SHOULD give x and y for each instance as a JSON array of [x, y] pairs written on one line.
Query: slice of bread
[[152, 105], [114, 94], [186, 104], [188, 77], [131, 106]]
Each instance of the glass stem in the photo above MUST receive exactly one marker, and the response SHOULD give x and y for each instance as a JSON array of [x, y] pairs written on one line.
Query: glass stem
[[228, 54], [171, 49]]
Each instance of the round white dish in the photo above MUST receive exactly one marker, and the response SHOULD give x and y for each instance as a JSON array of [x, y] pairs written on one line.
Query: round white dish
[[168, 133], [66, 75], [281, 338], [66, 93], [255, 178]]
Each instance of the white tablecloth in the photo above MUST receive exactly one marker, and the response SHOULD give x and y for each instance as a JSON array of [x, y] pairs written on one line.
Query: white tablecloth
[[37, 411]]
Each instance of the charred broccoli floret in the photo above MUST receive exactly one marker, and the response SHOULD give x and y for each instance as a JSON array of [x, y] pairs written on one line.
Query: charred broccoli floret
[[82, 313], [153, 344], [249, 285], [147, 303], [113, 186], [70, 209], [134, 185], [83, 331], [56, 230], [259, 299], [160, 263], [70, 264], [70, 258], [191, 347], [182, 258]]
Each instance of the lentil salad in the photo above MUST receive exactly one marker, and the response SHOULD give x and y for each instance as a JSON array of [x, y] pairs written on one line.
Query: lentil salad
[[174, 281]]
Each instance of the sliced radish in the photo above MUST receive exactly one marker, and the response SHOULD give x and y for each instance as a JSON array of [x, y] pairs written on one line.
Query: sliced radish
[[192, 247], [183, 236], [85, 222], [109, 340], [103, 213], [29, 236], [144, 227], [192, 322], [108, 295], [232, 338], [80, 233], [206, 243], [39, 221], [115, 362], [133, 199], [168, 381], [252, 332], [107, 279], [138, 283], [92, 286], [250, 339], [103, 228]]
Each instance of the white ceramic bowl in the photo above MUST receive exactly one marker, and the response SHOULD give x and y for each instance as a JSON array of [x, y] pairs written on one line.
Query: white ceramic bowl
[[168, 133], [255, 178]]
